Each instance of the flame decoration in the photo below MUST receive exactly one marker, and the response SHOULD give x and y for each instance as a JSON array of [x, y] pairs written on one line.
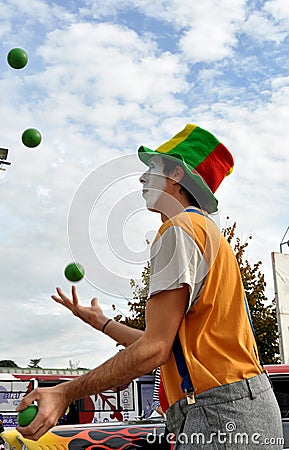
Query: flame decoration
[[127, 438]]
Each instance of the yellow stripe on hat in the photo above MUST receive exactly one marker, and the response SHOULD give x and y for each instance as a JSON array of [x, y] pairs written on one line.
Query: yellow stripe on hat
[[177, 139]]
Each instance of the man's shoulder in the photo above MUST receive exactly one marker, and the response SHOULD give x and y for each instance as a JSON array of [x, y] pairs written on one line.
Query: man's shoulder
[[181, 222], [175, 221], [189, 222], [186, 219]]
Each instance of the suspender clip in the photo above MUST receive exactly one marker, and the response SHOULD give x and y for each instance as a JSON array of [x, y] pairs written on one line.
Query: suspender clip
[[190, 394]]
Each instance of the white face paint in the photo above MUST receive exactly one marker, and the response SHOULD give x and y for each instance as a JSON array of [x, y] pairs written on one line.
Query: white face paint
[[154, 181]]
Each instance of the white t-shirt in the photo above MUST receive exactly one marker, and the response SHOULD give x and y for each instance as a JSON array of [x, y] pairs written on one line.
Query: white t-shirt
[[177, 260]]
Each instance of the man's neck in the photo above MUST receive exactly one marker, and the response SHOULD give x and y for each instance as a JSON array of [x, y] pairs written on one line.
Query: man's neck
[[174, 208]]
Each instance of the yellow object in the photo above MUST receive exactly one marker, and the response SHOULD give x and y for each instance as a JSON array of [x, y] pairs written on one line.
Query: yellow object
[[17, 441]]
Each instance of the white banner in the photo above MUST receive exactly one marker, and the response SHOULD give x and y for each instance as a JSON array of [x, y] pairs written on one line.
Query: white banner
[[11, 394], [280, 263]]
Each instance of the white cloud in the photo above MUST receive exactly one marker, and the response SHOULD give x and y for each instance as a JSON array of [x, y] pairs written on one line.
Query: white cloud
[[113, 62], [208, 28], [279, 10], [270, 23], [36, 11], [211, 30], [280, 82], [207, 43]]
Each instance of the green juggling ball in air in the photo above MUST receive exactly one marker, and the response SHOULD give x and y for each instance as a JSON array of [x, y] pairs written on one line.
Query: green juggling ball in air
[[26, 416], [17, 58], [74, 272], [31, 137]]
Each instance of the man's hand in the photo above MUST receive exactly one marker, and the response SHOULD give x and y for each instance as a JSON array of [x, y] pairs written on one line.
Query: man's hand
[[93, 315], [52, 404]]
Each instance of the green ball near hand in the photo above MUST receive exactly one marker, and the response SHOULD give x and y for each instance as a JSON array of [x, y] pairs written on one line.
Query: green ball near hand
[[26, 416], [17, 58], [31, 137], [74, 272]]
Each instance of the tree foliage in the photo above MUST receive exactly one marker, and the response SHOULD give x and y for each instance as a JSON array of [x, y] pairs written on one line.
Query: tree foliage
[[34, 363], [263, 312], [7, 363], [138, 304]]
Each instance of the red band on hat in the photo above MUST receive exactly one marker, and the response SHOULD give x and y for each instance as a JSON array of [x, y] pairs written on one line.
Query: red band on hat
[[216, 165]]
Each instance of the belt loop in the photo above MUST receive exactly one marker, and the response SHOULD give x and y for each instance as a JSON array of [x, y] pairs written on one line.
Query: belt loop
[[252, 396]]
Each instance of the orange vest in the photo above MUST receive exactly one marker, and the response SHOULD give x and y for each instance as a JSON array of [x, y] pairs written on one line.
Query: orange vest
[[216, 335]]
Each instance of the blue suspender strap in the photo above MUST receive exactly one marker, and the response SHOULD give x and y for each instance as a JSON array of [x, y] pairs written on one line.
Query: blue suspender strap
[[186, 384], [197, 211]]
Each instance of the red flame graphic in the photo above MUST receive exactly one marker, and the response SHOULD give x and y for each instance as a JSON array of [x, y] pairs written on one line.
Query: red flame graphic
[[108, 439]]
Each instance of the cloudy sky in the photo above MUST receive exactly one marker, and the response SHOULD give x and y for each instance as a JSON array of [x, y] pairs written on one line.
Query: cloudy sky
[[102, 79]]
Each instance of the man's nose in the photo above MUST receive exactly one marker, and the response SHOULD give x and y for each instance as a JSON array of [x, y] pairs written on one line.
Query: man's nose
[[142, 178]]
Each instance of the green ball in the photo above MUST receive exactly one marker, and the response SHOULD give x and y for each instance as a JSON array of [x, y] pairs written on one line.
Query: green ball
[[17, 58], [31, 137], [74, 272], [26, 416]]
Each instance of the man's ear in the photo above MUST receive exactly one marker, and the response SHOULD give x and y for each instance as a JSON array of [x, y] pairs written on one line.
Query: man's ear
[[177, 174]]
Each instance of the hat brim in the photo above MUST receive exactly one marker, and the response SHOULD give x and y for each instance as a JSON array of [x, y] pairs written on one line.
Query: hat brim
[[209, 201]]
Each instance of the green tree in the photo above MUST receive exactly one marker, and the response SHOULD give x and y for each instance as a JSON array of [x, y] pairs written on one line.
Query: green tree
[[34, 363], [7, 363], [263, 312], [138, 304]]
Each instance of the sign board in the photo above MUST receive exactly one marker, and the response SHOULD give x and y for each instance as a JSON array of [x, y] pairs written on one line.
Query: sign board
[[11, 394]]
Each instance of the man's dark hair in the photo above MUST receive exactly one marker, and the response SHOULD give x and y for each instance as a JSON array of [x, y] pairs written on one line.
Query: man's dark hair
[[191, 189]]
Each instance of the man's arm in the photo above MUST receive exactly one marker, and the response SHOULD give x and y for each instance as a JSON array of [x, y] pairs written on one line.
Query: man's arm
[[164, 314], [94, 316]]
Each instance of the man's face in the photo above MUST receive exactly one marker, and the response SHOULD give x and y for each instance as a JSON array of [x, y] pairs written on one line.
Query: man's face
[[154, 182]]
